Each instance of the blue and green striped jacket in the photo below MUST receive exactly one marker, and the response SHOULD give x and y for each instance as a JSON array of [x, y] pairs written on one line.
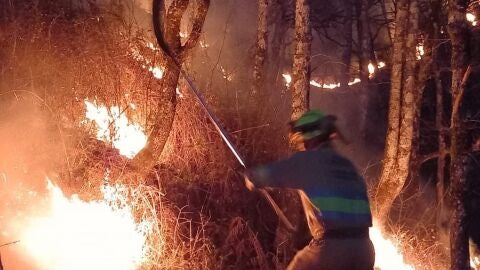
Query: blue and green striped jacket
[[328, 179]]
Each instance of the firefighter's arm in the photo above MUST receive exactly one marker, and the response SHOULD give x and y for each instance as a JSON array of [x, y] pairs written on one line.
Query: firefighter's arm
[[262, 176]]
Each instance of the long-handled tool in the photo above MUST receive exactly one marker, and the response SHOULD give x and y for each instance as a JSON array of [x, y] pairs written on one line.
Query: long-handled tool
[[157, 5]]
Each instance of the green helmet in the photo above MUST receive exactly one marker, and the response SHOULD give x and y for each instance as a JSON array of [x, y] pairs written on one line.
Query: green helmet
[[314, 124]]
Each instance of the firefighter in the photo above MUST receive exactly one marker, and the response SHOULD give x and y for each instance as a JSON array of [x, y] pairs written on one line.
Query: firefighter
[[333, 195]]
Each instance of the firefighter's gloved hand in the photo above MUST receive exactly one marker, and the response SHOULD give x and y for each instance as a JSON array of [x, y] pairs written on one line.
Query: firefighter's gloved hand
[[248, 183]]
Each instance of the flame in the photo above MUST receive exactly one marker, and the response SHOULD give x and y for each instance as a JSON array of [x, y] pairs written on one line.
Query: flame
[[179, 93], [471, 18], [152, 47], [157, 72], [75, 235], [420, 51], [226, 75], [113, 127], [371, 69], [288, 79], [331, 85], [355, 81], [315, 83], [204, 44], [387, 255], [475, 263]]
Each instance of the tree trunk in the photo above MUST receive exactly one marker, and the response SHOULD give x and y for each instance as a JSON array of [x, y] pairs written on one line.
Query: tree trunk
[[166, 24], [424, 75], [410, 95], [362, 48], [439, 124], [387, 19], [261, 48], [347, 51], [458, 32], [387, 182], [301, 59]]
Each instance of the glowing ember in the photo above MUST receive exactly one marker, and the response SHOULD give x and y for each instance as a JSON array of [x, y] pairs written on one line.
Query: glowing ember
[[113, 127], [387, 255], [147, 64], [420, 51], [355, 81], [157, 72], [74, 234], [471, 18], [178, 92], [315, 83], [151, 46], [226, 75], [288, 79], [381, 64], [331, 85], [203, 44]]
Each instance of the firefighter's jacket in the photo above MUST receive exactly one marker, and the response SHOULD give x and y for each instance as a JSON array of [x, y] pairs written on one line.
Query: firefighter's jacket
[[334, 195]]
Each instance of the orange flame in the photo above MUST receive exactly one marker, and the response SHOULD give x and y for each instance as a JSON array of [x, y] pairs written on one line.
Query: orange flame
[[371, 69], [420, 51], [114, 127], [387, 255], [475, 263], [73, 234]]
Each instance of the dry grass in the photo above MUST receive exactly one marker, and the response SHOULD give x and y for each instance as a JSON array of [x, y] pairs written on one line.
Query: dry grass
[[200, 208]]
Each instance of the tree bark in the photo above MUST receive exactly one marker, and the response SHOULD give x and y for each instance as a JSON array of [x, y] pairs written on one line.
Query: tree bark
[[301, 59], [362, 37], [347, 50], [410, 96], [385, 17], [277, 46], [458, 32], [261, 49], [166, 24], [425, 72], [388, 182], [439, 124]]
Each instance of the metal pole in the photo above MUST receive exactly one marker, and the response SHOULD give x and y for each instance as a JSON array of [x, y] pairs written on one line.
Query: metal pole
[[157, 8]]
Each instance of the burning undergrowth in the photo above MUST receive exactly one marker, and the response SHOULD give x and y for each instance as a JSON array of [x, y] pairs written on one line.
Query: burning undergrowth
[[190, 212], [59, 232], [105, 217], [96, 212]]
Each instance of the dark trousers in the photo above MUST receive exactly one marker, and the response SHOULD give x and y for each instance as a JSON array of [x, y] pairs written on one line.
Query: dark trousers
[[335, 254]]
